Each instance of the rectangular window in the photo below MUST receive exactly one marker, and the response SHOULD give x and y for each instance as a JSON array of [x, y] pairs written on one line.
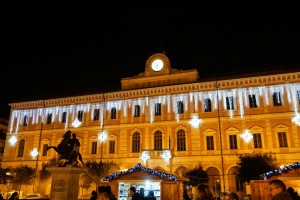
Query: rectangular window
[[277, 99], [229, 103], [49, 118], [25, 122], [233, 141], [180, 109], [96, 114], [80, 115], [257, 140], [94, 147], [298, 95], [136, 111], [207, 105], [252, 101], [112, 146], [113, 113], [157, 109], [64, 117], [282, 139], [45, 150], [210, 142]]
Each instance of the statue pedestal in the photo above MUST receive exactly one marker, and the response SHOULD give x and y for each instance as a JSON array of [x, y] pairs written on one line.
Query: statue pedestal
[[65, 183]]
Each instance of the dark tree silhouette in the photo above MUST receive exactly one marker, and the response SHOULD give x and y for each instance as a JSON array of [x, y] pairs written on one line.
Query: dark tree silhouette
[[23, 175], [101, 169], [4, 175], [196, 175], [252, 166]]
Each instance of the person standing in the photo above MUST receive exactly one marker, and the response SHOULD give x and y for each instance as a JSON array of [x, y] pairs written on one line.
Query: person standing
[[150, 195], [203, 192], [94, 195], [102, 194], [278, 191], [14, 196], [185, 195], [142, 194], [293, 194], [134, 195], [110, 195]]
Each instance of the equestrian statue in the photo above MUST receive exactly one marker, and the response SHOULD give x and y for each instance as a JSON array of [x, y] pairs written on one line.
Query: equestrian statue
[[68, 150]]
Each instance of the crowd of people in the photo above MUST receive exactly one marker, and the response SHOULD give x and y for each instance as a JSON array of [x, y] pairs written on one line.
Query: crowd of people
[[141, 194], [276, 188], [105, 193]]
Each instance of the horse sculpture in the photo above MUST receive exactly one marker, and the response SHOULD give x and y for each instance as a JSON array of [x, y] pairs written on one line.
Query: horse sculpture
[[66, 151]]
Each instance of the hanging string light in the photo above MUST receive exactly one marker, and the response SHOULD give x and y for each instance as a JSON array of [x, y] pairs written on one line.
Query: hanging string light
[[282, 169], [195, 122], [145, 156], [13, 140], [296, 119], [247, 136], [34, 152], [76, 123], [137, 168]]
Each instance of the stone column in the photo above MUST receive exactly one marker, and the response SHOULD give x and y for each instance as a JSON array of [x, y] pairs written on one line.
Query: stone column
[[65, 183]]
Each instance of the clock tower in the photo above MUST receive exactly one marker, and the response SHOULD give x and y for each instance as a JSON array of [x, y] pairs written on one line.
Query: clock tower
[[158, 64], [158, 72]]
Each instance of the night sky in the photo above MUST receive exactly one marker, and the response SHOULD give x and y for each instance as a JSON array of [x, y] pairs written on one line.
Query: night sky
[[52, 49]]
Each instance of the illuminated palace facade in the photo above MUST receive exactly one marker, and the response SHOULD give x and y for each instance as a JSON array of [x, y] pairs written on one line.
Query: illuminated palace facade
[[166, 119]]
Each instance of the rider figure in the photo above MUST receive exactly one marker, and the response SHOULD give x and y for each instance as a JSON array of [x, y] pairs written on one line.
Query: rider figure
[[68, 149], [74, 144]]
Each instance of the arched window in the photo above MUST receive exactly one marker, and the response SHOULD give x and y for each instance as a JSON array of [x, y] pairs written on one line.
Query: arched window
[[181, 140], [157, 140], [136, 142], [21, 148]]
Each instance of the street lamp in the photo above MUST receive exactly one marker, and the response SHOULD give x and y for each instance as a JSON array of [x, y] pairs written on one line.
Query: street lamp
[[102, 137]]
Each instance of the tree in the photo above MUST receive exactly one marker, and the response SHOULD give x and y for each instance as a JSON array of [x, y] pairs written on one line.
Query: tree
[[44, 173], [252, 166], [98, 171], [23, 175], [85, 183], [196, 175], [5, 175], [95, 171]]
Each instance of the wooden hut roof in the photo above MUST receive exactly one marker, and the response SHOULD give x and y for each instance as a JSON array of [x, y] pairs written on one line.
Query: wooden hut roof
[[281, 170], [139, 168]]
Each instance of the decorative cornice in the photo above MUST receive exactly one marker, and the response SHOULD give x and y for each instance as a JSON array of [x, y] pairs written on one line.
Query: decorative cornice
[[158, 91]]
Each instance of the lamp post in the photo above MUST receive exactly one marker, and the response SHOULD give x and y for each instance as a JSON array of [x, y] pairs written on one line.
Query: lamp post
[[102, 137]]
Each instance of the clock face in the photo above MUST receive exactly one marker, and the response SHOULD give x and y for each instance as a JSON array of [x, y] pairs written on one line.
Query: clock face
[[157, 65]]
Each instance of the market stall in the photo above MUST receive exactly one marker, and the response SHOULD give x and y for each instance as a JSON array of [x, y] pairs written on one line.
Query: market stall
[[165, 186]]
